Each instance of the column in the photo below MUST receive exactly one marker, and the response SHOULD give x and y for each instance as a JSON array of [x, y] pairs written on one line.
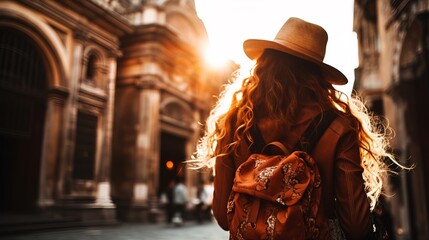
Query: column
[[147, 158], [51, 149], [103, 188]]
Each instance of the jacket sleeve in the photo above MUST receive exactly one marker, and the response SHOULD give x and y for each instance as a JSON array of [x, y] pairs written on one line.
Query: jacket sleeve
[[351, 200], [223, 181]]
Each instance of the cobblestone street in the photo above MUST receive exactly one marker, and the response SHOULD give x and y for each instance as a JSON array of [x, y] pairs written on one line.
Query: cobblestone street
[[126, 231]]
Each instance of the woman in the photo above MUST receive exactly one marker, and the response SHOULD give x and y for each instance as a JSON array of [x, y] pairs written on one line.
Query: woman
[[288, 87]]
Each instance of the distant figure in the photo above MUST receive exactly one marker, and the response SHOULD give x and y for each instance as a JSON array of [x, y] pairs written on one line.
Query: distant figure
[[205, 197], [170, 200], [180, 200]]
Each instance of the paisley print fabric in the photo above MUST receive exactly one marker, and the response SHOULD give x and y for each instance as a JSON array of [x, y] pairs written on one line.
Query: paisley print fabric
[[275, 197]]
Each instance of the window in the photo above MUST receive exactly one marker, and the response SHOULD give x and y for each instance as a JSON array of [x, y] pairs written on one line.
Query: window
[[85, 147], [91, 70]]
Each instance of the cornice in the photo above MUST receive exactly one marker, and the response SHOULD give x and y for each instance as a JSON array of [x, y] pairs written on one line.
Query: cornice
[[156, 33], [87, 14]]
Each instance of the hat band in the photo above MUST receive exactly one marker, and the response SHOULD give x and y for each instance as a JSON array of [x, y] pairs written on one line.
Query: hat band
[[298, 48]]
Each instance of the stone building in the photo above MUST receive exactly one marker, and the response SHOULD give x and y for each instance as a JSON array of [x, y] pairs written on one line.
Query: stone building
[[97, 96], [393, 77]]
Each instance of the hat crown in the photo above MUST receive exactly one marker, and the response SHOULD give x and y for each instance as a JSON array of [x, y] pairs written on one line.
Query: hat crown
[[301, 39], [308, 38]]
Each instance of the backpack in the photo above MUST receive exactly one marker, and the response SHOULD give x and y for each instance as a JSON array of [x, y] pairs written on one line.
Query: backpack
[[276, 196]]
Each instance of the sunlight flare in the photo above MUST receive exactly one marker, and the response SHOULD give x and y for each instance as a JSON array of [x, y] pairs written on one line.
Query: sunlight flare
[[215, 58]]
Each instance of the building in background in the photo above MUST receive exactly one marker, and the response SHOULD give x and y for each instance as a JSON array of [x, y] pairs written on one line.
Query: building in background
[[393, 41], [100, 103]]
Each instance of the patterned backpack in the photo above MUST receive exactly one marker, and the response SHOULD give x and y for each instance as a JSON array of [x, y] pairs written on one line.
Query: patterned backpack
[[277, 196]]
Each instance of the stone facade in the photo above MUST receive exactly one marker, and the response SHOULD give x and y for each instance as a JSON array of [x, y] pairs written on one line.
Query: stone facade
[[96, 95], [393, 77]]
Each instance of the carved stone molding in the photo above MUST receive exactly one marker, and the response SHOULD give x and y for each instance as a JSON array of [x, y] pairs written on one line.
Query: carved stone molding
[[81, 35], [176, 112], [58, 94]]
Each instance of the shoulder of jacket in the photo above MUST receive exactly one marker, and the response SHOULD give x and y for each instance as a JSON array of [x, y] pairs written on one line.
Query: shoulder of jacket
[[341, 125]]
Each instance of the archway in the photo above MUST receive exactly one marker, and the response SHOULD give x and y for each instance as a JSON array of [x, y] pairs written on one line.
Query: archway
[[171, 160], [23, 84]]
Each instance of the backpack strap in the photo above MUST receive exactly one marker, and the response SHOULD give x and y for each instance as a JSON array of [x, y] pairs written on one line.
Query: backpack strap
[[258, 142], [306, 142], [279, 145], [314, 132]]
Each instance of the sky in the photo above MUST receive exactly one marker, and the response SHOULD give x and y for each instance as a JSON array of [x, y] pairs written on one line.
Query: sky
[[230, 22]]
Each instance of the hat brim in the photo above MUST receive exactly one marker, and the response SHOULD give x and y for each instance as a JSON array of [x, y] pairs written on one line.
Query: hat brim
[[254, 48]]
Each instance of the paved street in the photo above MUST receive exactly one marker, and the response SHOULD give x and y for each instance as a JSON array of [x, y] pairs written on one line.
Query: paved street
[[189, 231]]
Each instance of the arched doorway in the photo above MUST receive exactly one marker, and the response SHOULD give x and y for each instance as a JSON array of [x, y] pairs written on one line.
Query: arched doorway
[[171, 161], [176, 131], [23, 84]]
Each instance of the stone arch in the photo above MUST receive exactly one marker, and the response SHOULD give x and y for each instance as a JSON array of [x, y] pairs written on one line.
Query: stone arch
[[177, 111], [18, 17], [94, 69], [57, 67], [176, 139], [23, 84]]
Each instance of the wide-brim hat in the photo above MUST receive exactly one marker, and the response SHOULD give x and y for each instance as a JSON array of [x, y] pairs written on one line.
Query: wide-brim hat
[[301, 39]]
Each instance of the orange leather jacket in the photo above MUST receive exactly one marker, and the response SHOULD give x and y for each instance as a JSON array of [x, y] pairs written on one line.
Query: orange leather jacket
[[337, 156]]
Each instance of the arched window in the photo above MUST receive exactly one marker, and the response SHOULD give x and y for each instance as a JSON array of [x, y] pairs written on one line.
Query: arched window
[[92, 70]]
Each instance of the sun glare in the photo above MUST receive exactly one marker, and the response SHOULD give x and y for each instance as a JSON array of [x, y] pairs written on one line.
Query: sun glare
[[215, 58], [238, 23]]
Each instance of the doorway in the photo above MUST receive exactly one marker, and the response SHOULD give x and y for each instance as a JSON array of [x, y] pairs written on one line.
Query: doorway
[[23, 105], [173, 155]]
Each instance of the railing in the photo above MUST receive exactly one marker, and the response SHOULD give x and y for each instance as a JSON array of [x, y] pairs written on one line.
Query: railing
[[121, 6]]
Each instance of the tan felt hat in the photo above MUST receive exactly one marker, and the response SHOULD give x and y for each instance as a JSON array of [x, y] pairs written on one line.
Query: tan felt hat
[[301, 39]]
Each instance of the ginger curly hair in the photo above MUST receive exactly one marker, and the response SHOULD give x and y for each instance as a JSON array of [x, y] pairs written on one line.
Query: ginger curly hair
[[273, 89]]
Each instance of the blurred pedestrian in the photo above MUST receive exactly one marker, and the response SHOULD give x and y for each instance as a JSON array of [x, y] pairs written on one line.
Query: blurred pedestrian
[[205, 197], [180, 200], [170, 200]]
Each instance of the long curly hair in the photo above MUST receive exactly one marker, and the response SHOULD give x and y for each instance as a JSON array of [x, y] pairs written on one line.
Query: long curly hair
[[274, 88]]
